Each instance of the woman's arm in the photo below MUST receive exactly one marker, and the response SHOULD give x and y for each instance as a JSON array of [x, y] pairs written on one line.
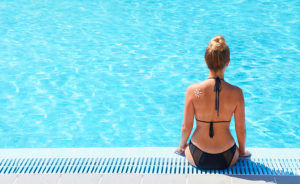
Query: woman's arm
[[239, 118], [188, 119]]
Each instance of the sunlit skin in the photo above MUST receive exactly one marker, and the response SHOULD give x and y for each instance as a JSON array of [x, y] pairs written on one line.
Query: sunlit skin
[[200, 103]]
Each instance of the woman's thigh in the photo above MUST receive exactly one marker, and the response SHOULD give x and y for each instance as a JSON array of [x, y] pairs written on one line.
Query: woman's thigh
[[235, 157], [189, 156]]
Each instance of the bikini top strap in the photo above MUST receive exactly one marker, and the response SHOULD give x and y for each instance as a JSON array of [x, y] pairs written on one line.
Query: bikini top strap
[[217, 89], [213, 121], [211, 127]]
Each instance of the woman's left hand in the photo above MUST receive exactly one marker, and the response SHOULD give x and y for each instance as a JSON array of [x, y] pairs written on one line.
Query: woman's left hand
[[180, 150]]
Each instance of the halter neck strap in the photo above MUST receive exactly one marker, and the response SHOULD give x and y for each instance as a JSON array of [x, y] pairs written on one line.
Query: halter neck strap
[[215, 78], [217, 89]]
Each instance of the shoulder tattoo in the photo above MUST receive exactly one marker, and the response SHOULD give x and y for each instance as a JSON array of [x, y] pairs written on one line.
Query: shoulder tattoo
[[197, 93]]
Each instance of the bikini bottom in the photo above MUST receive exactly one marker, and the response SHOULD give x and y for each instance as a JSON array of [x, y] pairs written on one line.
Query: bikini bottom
[[204, 160]]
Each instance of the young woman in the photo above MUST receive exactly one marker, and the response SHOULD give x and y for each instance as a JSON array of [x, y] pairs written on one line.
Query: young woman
[[213, 102]]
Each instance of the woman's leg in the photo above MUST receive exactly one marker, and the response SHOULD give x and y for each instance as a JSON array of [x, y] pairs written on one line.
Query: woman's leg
[[235, 157], [189, 156]]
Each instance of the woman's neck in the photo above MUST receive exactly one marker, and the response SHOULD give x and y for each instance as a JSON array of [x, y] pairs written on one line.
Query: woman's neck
[[213, 74]]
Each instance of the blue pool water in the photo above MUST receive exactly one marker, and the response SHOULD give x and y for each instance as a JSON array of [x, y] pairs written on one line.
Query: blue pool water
[[114, 73]]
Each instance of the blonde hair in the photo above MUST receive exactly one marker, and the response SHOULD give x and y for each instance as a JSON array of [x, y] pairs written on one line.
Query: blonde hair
[[217, 53]]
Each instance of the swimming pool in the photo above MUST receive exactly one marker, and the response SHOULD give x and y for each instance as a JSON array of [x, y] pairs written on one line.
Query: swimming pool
[[114, 73]]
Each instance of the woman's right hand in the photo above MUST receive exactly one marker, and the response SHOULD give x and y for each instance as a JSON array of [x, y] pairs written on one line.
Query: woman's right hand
[[245, 154]]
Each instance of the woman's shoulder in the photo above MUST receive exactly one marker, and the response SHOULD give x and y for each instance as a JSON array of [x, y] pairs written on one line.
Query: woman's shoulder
[[203, 84], [195, 86], [196, 89], [234, 90]]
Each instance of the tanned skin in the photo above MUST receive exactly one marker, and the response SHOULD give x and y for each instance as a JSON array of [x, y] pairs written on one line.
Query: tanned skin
[[200, 103]]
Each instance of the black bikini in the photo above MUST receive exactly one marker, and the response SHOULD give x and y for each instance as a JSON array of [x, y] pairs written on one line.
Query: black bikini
[[204, 160]]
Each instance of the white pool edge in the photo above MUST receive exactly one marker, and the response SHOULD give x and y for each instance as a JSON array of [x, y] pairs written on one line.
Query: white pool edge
[[132, 152]]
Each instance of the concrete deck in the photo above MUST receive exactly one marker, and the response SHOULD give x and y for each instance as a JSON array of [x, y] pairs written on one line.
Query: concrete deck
[[132, 178]]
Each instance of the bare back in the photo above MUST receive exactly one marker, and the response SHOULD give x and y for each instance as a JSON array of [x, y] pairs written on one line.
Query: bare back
[[203, 98]]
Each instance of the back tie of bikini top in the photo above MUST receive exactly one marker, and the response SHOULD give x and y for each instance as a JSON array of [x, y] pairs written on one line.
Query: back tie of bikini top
[[217, 89]]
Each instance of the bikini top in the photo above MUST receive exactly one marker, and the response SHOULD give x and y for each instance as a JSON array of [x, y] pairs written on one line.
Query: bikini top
[[217, 89]]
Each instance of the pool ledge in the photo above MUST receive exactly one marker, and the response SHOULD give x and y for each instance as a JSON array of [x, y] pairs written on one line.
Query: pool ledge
[[140, 160], [133, 152]]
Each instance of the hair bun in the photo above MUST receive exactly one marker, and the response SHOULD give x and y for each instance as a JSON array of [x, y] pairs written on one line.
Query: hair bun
[[218, 43], [217, 53]]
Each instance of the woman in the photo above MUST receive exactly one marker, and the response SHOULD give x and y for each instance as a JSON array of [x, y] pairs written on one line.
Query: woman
[[213, 102]]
